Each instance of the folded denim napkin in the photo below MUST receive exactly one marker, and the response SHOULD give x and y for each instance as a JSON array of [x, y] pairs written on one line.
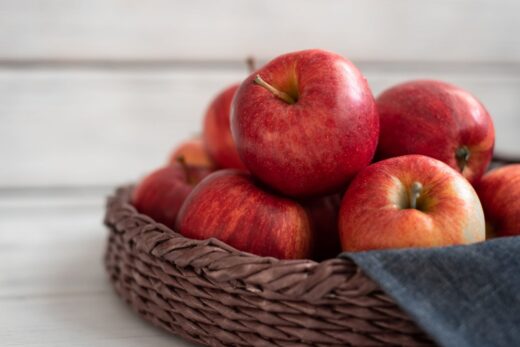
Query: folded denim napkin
[[462, 296]]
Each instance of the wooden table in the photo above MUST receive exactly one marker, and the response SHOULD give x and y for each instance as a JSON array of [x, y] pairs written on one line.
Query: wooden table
[[54, 291], [95, 94]]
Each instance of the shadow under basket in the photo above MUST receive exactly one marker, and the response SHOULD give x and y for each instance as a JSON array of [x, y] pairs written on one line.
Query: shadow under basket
[[210, 293]]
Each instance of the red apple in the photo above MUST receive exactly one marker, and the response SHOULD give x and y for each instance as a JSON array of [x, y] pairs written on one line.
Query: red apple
[[230, 206], [193, 153], [305, 123], [439, 120], [323, 215], [499, 192], [409, 201], [217, 131], [161, 194]]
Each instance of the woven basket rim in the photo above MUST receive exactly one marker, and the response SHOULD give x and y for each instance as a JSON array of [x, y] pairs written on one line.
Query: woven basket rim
[[211, 293], [126, 193], [230, 268]]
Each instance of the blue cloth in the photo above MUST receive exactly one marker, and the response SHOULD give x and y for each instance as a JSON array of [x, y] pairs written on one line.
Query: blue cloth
[[462, 296]]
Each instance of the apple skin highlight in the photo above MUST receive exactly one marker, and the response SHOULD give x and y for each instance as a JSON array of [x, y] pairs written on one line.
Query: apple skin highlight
[[375, 211], [315, 145]]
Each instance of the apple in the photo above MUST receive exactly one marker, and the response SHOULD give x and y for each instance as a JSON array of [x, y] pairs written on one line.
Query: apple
[[323, 215], [305, 123], [217, 131], [439, 120], [499, 192], [193, 153], [231, 206], [409, 201], [161, 194]]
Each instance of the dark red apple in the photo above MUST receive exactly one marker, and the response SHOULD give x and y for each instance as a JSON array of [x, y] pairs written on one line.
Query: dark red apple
[[193, 153], [439, 120], [217, 131], [323, 215], [409, 201], [230, 206], [499, 192], [161, 194], [305, 123]]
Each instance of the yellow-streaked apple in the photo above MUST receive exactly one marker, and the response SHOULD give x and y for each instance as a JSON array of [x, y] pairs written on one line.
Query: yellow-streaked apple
[[193, 153], [409, 201], [231, 206]]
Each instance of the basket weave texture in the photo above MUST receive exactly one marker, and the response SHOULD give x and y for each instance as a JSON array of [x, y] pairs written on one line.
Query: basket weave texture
[[212, 294]]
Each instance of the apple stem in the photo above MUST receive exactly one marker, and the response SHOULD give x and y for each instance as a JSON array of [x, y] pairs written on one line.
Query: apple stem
[[251, 64], [462, 155], [278, 93], [415, 193], [182, 161]]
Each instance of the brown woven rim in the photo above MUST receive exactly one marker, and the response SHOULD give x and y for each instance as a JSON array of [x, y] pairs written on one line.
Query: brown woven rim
[[210, 293]]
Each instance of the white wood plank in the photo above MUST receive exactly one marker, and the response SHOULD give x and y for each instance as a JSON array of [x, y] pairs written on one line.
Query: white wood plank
[[53, 288], [45, 250], [97, 321], [445, 30], [83, 127], [106, 127]]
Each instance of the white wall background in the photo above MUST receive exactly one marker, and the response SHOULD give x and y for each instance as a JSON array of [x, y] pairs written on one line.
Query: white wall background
[[98, 92]]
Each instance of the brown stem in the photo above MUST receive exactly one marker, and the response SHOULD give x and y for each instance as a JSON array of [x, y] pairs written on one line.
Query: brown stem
[[278, 93], [415, 193], [462, 154], [182, 161], [251, 64]]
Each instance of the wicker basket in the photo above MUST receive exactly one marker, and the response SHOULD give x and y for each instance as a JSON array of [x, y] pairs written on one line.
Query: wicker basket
[[210, 293]]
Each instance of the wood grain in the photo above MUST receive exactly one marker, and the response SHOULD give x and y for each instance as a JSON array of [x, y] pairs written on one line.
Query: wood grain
[[104, 126], [464, 30], [53, 288]]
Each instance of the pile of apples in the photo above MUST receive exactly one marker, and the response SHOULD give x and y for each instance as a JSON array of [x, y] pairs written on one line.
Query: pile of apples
[[300, 161]]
